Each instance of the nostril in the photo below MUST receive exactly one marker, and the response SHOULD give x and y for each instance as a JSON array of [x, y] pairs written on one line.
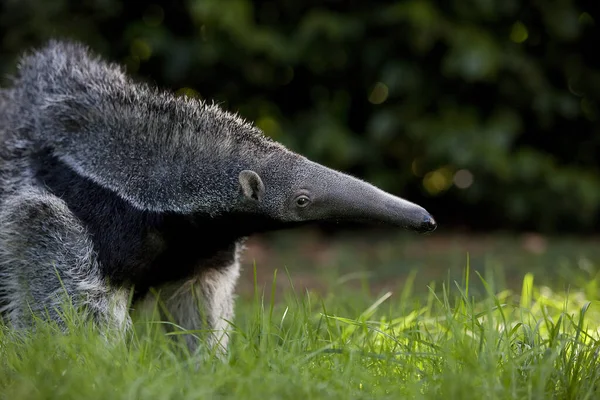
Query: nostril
[[429, 223]]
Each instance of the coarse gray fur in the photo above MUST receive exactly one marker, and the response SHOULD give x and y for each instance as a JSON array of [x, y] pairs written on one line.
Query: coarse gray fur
[[109, 185]]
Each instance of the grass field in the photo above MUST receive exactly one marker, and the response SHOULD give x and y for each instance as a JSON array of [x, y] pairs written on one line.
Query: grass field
[[467, 334]]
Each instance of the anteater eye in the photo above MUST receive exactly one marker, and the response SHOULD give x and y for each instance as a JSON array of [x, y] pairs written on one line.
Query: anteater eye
[[302, 201]]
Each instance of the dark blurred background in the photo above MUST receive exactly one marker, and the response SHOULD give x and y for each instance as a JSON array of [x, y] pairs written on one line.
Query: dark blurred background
[[486, 112]]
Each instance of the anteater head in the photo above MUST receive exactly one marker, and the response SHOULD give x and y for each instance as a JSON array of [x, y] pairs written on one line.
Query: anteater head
[[293, 189]]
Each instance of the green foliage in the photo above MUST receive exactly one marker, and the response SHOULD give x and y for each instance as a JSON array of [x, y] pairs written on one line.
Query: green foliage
[[449, 344], [487, 103]]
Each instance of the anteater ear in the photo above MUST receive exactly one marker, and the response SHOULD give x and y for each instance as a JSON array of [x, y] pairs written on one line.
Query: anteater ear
[[252, 186]]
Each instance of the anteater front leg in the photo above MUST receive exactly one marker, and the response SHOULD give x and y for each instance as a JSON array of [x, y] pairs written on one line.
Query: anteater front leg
[[204, 303], [45, 255]]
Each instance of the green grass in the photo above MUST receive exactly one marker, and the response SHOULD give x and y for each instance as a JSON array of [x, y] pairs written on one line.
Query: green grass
[[449, 344]]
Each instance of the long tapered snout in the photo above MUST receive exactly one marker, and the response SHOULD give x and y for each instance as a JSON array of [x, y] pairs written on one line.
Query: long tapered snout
[[351, 199]]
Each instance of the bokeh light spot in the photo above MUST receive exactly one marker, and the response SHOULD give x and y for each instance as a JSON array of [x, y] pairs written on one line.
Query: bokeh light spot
[[438, 181], [269, 126], [188, 92], [379, 94], [141, 49], [463, 178], [518, 32]]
